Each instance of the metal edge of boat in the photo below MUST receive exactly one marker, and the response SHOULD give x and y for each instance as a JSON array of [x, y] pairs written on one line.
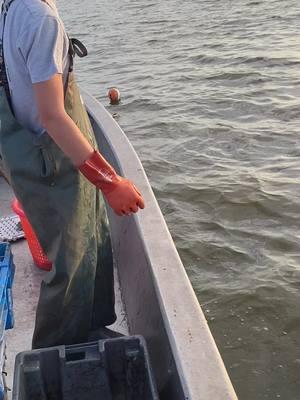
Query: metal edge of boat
[[159, 299]]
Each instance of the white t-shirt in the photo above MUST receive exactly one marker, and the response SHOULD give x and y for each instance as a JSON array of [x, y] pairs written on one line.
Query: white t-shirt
[[35, 48]]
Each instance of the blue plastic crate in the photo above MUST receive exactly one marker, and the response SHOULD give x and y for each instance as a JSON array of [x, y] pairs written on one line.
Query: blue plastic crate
[[10, 321], [7, 272], [4, 275], [3, 387], [6, 267], [6, 261], [5, 254], [6, 257], [11, 273], [3, 317]]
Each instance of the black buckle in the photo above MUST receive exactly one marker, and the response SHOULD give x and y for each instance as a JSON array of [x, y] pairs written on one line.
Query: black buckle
[[78, 48], [6, 5]]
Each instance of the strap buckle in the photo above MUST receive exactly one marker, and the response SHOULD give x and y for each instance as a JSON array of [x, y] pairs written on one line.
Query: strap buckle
[[78, 48], [6, 5]]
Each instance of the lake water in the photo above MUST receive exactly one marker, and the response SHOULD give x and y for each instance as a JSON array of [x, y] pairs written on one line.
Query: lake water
[[211, 102]]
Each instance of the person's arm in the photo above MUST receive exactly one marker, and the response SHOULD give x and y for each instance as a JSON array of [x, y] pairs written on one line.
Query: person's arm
[[120, 193], [62, 129]]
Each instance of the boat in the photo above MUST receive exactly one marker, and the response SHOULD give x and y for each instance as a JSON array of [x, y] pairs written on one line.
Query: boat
[[154, 296]]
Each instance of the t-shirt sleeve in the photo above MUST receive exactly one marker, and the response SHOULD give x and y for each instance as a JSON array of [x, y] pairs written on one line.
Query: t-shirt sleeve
[[42, 48]]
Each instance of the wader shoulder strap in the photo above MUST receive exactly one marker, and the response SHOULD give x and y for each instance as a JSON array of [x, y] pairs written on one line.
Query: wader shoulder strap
[[3, 74], [76, 47], [5, 5]]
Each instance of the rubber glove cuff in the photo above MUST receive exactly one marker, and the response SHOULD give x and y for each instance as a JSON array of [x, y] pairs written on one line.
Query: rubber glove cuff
[[99, 172]]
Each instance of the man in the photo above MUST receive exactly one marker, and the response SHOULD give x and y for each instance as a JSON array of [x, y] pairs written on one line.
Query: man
[[48, 149]]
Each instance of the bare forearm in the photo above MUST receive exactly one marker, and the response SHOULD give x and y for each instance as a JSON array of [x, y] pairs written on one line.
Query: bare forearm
[[120, 193], [62, 129], [69, 138]]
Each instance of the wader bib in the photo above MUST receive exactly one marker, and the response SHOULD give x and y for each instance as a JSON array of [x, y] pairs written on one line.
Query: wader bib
[[69, 218]]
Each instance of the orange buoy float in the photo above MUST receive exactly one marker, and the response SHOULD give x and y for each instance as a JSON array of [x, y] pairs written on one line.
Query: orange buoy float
[[114, 95]]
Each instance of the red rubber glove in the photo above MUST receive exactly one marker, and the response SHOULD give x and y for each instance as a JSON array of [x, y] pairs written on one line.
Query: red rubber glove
[[121, 194]]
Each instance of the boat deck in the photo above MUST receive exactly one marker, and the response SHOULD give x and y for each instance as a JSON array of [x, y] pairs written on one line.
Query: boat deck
[[26, 291]]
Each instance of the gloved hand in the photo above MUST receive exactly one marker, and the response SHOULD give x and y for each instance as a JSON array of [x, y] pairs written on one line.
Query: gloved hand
[[121, 194]]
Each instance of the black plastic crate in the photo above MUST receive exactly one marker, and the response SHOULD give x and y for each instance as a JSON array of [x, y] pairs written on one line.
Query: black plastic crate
[[113, 369]]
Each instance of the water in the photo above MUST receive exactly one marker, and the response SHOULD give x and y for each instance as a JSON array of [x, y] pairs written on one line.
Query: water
[[211, 102]]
